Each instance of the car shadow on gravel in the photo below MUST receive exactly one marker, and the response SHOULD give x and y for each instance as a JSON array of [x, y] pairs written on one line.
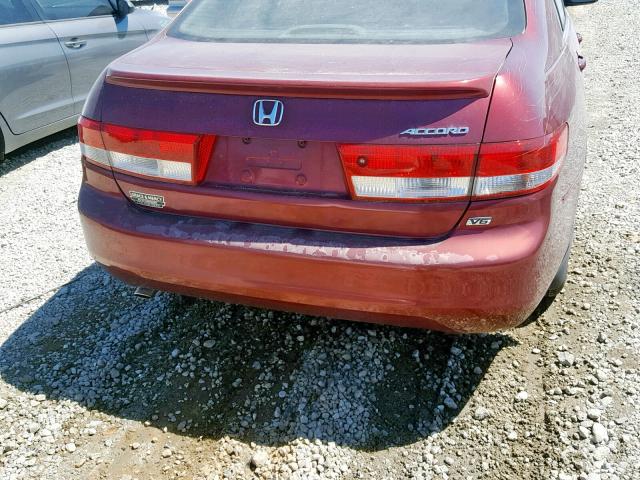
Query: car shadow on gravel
[[202, 368], [37, 149]]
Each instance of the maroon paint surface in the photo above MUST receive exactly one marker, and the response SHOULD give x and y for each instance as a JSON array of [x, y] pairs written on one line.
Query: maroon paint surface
[[273, 224]]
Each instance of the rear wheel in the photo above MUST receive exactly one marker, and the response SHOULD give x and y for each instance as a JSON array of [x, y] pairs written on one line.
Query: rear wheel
[[561, 277], [1, 147], [186, 300], [554, 289]]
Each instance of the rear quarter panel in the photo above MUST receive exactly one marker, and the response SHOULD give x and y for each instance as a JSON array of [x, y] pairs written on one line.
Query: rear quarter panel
[[539, 89]]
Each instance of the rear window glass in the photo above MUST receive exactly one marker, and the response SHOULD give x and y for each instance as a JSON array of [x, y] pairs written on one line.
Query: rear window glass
[[349, 21]]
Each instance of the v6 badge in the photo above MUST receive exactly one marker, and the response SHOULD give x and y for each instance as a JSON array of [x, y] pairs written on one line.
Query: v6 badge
[[479, 221]]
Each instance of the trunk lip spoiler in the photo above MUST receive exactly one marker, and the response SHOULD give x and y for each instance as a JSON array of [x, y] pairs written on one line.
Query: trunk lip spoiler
[[381, 90]]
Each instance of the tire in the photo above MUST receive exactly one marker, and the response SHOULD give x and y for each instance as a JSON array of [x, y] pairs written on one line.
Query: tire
[[185, 300], [554, 289], [1, 147], [561, 277]]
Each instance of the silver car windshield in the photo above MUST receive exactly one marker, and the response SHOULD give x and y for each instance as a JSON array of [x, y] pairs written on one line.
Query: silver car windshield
[[349, 21]]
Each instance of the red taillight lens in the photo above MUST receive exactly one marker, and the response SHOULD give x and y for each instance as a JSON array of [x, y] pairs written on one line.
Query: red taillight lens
[[425, 172], [516, 168], [176, 157], [446, 172]]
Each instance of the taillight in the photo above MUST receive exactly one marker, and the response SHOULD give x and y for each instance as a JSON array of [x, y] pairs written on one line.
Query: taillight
[[401, 172], [91, 144], [516, 168], [446, 172], [175, 157]]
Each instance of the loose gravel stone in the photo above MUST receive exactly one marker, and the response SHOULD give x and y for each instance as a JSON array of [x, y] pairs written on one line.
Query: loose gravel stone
[[594, 414], [259, 459], [481, 413], [600, 434], [565, 359]]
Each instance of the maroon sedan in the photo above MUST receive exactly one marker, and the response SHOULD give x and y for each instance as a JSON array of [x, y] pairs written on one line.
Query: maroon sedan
[[416, 163]]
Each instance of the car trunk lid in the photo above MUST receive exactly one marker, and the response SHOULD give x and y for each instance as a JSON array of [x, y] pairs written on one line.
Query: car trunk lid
[[292, 174]]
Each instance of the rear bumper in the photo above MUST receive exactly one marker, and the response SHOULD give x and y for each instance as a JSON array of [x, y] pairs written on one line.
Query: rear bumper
[[476, 280]]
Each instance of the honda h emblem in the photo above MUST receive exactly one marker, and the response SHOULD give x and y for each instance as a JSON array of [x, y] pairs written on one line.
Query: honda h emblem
[[268, 113]]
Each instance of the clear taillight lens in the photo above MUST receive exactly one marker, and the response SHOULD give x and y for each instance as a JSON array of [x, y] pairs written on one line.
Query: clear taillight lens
[[168, 156]]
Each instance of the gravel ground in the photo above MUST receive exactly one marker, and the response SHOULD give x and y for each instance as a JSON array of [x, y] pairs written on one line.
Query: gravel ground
[[96, 384]]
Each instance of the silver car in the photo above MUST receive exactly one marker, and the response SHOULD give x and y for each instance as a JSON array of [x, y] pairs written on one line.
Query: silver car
[[51, 52], [175, 7]]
